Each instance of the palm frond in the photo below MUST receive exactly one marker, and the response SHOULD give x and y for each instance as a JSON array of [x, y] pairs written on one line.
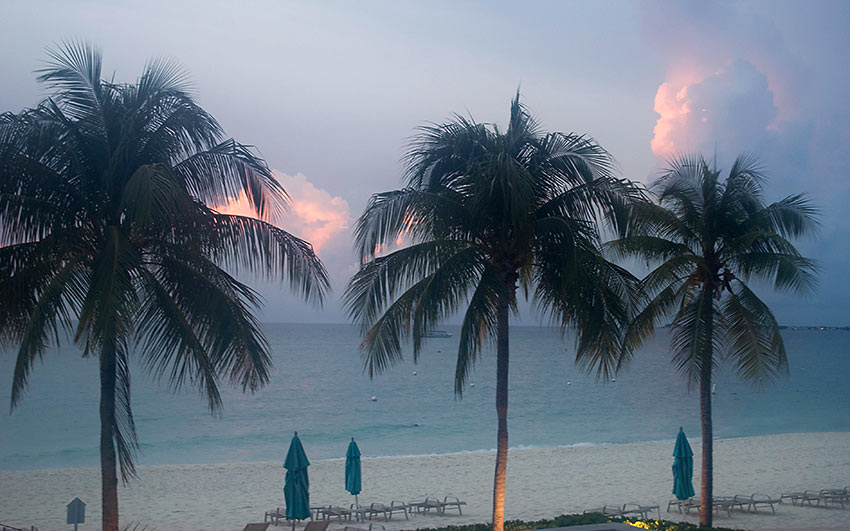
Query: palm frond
[[756, 344], [479, 323], [262, 248]]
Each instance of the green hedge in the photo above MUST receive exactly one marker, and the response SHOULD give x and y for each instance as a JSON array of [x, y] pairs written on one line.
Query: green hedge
[[568, 520]]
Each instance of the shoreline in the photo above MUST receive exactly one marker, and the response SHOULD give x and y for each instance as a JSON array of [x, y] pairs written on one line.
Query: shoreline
[[542, 483], [694, 441]]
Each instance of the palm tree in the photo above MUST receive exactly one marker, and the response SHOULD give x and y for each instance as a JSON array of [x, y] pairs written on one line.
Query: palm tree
[[712, 237], [106, 233], [487, 212]]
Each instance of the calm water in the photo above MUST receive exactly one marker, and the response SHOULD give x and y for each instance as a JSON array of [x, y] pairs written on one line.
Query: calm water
[[319, 389]]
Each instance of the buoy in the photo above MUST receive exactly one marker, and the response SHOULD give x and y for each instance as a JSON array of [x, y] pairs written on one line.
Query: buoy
[[414, 373], [613, 379], [472, 385], [569, 382]]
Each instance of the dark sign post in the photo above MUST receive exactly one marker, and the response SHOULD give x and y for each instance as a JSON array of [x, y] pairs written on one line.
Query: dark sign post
[[76, 512]]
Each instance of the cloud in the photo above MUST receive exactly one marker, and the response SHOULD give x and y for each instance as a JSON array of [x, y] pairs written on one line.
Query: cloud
[[730, 110], [733, 84], [314, 214]]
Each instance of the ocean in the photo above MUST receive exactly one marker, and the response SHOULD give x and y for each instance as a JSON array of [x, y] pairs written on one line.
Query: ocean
[[319, 389]]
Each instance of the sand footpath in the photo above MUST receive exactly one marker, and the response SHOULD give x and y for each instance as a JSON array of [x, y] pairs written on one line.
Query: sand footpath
[[542, 483]]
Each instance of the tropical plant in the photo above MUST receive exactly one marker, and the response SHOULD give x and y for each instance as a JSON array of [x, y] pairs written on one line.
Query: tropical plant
[[487, 212], [711, 237], [106, 233]]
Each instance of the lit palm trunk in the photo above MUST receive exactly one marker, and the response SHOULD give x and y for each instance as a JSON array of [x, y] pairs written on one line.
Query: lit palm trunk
[[500, 475]]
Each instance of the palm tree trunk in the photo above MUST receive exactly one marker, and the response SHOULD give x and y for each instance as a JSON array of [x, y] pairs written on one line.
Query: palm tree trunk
[[502, 413], [108, 468], [707, 489]]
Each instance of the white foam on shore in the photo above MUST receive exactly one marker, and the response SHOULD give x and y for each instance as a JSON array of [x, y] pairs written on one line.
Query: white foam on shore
[[542, 483]]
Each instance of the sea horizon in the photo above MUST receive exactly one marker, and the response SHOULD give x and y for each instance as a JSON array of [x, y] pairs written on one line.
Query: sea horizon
[[319, 389]]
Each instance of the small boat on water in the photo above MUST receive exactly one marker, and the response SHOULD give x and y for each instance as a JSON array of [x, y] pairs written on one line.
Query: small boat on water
[[436, 333]]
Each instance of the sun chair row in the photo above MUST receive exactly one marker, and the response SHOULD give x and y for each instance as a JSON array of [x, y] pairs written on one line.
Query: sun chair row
[[428, 504], [727, 503], [311, 526], [627, 509], [362, 513], [818, 497]]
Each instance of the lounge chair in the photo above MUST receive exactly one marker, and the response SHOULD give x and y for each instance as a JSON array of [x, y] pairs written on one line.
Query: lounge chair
[[641, 510], [275, 515], [426, 505], [452, 502], [256, 527], [387, 510], [335, 511], [691, 503], [833, 496], [607, 510], [417, 506], [762, 499], [725, 503], [681, 505], [793, 496]]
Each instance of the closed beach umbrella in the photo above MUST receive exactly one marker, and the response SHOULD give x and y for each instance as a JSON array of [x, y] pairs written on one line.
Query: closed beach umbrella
[[296, 489], [352, 470], [683, 468]]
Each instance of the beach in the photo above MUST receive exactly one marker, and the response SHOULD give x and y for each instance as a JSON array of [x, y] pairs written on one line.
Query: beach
[[542, 483]]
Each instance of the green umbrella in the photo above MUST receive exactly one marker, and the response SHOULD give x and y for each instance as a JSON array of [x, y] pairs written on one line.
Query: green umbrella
[[352, 470], [683, 468], [296, 489]]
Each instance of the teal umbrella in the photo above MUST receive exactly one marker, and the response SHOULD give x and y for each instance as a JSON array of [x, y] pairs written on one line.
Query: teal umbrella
[[683, 468], [296, 489], [352, 470]]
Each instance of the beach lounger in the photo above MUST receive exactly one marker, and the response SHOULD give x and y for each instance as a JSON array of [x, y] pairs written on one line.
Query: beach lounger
[[793, 496], [833, 496], [641, 510], [682, 505], [256, 527], [452, 502], [275, 515], [725, 503], [607, 510], [692, 503], [762, 499], [335, 511], [387, 510], [426, 505], [417, 506]]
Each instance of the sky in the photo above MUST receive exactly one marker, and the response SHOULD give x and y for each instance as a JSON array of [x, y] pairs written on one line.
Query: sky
[[330, 94]]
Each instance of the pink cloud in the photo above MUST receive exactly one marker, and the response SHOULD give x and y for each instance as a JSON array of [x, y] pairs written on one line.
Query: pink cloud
[[314, 214]]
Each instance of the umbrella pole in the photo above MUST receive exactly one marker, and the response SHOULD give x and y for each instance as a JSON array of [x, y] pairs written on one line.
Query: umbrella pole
[[356, 503]]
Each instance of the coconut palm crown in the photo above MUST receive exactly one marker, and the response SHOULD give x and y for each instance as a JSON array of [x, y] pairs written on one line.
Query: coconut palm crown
[[709, 238], [106, 236], [488, 212]]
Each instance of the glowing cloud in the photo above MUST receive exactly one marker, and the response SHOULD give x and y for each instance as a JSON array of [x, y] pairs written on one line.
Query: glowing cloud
[[731, 110], [314, 214]]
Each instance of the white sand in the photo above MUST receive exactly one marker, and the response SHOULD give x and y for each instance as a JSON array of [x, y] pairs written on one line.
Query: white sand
[[542, 483]]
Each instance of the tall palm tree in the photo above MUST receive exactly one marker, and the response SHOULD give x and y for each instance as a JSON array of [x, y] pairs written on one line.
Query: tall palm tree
[[487, 212], [106, 232], [712, 237]]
